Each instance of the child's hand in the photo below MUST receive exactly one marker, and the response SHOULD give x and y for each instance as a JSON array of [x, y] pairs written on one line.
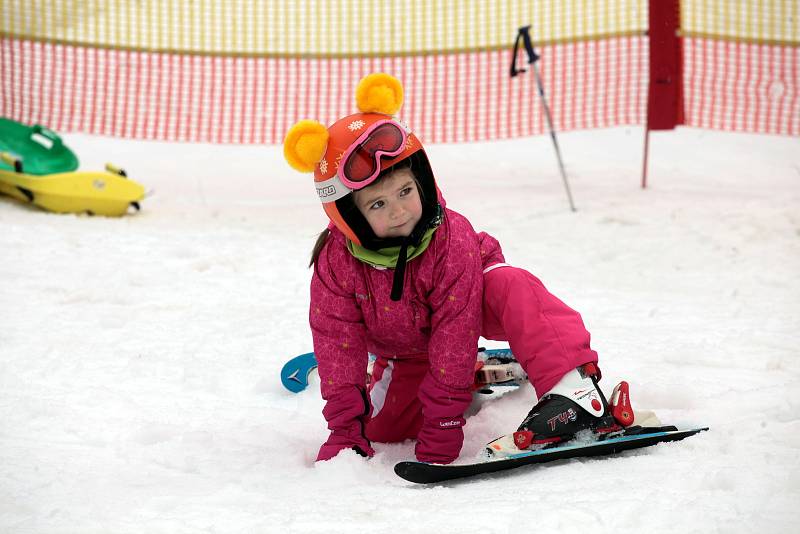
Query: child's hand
[[345, 413], [338, 443], [441, 436]]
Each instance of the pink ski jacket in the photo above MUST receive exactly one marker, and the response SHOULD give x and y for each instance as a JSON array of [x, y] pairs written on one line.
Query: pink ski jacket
[[438, 318]]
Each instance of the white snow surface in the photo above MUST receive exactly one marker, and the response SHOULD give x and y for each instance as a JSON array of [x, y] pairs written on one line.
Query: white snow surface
[[140, 356]]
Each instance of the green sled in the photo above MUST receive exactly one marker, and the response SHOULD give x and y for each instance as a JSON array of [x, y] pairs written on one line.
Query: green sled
[[37, 150]]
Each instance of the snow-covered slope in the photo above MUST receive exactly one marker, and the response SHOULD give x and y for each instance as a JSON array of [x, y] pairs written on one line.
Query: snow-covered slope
[[139, 357]]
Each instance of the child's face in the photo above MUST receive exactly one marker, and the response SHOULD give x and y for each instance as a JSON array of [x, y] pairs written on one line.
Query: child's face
[[392, 205]]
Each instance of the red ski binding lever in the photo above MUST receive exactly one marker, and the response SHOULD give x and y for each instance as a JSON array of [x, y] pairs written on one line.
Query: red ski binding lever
[[620, 405]]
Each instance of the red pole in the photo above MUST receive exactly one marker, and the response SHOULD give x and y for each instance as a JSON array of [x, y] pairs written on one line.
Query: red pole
[[665, 89], [646, 151]]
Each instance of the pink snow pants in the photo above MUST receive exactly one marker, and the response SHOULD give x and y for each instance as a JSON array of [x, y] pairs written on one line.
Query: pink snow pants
[[547, 337]]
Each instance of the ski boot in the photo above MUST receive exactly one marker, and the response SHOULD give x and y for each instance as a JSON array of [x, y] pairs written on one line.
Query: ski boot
[[573, 405]]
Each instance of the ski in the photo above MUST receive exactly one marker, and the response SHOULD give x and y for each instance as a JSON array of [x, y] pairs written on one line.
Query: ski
[[498, 369], [295, 372], [632, 438]]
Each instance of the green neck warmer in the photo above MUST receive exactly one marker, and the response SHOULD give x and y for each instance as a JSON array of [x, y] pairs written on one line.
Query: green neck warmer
[[387, 257]]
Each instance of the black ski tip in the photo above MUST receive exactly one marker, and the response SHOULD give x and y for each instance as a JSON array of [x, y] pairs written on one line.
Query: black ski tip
[[413, 472], [402, 469]]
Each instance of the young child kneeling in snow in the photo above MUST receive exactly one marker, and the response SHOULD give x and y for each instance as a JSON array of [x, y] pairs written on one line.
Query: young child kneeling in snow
[[399, 275]]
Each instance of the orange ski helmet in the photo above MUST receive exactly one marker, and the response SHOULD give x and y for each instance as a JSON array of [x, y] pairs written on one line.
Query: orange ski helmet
[[357, 150]]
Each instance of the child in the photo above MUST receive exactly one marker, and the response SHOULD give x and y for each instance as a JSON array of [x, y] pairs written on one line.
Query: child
[[399, 275]]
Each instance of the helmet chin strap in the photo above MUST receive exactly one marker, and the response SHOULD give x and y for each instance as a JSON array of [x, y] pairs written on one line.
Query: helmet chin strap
[[402, 258], [400, 271]]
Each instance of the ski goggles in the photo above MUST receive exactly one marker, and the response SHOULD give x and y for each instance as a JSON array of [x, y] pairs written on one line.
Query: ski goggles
[[361, 162]]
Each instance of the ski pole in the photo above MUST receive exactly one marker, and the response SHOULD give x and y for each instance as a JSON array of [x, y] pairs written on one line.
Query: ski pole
[[533, 57]]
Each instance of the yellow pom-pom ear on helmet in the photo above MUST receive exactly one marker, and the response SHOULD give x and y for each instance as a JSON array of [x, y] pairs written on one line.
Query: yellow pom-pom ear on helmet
[[305, 145], [379, 93]]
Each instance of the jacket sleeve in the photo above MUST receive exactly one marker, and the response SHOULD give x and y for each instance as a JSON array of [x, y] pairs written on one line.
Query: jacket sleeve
[[446, 392], [338, 332]]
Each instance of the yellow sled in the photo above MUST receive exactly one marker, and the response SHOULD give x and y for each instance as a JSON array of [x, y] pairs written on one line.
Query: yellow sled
[[36, 166], [94, 192]]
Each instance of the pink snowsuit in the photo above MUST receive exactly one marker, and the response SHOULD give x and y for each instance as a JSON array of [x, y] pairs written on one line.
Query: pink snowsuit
[[426, 343]]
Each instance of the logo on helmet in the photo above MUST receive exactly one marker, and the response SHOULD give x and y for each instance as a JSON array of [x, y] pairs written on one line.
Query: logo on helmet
[[327, 191]]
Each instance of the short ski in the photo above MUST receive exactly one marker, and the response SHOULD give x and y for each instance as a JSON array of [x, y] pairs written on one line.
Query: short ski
[[632, 438], [499, 369]]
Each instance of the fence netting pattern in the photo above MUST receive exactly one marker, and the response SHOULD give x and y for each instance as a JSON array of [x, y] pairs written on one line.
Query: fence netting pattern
[[242, 71]]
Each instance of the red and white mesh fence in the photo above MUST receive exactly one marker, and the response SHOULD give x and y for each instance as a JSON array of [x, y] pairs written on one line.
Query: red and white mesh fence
[[223, 99], [237, 71], [741, 87]]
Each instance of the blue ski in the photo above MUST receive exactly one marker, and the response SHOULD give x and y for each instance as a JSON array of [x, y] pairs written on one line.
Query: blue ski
[[295, 373]]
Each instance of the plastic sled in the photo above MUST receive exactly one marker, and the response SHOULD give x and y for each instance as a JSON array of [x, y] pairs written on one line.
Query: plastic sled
[[36, 167]]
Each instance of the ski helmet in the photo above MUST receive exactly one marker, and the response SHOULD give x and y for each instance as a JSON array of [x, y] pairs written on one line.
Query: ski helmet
[[357, 150]]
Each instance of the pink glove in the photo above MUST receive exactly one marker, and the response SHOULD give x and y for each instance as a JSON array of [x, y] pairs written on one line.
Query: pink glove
[[441, 436], [345, 413]]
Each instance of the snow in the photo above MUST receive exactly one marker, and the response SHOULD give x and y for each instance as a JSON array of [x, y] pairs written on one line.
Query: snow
[[139, 356]]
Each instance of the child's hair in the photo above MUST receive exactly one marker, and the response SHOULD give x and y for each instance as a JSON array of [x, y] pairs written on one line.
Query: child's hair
[[322, 238]]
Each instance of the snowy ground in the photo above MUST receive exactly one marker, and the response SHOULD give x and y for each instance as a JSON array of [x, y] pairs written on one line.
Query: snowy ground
[[139, 357]]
